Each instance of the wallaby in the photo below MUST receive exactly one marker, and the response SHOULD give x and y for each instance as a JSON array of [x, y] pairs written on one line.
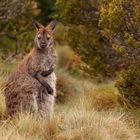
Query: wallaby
[[32, 85]]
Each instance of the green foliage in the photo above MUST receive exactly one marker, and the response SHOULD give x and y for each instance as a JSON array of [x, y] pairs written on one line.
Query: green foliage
[[18, 36], [128, 85], [111, 16], [16, 32], [86, 44], [68, 60], [58, 37], [47, 10], [7, 12], [104, 33], [120, 21], [84, 36], [77, 12]]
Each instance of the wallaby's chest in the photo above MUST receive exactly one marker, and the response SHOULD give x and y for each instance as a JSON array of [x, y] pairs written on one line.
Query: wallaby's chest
[[43, 61], [48, 61]]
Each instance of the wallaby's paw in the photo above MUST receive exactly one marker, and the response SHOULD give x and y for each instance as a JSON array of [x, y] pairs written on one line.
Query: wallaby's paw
[[46, 73], [50, 91]]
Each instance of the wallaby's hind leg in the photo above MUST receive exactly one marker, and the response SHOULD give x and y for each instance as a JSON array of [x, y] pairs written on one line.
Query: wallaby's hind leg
[[46, 105], [29, 103], [26, 103], [12, 102], [29, 95]]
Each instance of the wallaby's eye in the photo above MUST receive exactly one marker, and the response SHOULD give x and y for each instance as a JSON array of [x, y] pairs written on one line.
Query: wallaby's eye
[[39, 36], [48, 36]]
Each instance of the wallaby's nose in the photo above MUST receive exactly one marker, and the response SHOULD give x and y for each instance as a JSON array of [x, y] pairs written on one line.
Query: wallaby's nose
[[43, 44]]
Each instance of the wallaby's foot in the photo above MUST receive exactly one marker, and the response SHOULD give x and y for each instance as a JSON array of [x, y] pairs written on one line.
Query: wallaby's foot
[[46, 73]]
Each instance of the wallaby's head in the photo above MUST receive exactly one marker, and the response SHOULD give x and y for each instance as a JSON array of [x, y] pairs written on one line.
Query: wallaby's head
[[43, 38]]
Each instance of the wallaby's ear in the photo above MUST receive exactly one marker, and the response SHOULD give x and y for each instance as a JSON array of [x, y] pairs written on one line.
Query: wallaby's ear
[[52, 25], [37, 24]]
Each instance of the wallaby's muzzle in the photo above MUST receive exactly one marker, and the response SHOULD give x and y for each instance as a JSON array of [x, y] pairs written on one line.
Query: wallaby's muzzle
[[43, 45]]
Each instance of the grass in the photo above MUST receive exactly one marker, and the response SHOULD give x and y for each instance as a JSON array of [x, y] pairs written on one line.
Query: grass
[[74, 121], [101, 96]]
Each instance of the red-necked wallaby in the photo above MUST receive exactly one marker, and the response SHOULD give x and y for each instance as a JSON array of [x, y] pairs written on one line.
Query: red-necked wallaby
[[32, 85]]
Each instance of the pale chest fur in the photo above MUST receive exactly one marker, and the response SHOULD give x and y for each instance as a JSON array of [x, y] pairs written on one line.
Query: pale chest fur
[[42, 61], [49, 61]]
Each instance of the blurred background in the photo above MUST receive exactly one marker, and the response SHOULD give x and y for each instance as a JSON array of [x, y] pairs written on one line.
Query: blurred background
[[98, 46]]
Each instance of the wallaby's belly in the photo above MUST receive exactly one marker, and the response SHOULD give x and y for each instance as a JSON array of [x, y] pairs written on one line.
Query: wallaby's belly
[[51, 80], [46, 105]]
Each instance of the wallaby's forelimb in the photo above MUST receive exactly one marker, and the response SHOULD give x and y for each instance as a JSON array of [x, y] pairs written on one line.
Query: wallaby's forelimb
[[46, 73], [41, 79]]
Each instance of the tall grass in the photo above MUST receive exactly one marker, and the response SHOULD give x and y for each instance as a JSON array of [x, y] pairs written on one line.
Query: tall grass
[[75, 121]]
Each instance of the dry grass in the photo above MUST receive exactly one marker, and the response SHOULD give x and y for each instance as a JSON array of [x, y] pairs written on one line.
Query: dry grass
[[101, 97], [74, 122], [104, 97], [67, 86]]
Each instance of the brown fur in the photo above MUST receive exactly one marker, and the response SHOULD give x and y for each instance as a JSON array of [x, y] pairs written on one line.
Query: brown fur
[[24, 88]]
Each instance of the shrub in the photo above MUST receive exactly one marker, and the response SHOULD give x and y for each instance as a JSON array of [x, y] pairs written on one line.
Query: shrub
[[128, 85], [103, 97], [69, 60], [83, 35], [67, 87]]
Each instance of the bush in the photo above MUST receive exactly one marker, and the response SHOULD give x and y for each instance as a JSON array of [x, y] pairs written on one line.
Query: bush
[[105, 97], [69, 60], [67, 87], [83, 35], [102, 97], [128, 85]]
